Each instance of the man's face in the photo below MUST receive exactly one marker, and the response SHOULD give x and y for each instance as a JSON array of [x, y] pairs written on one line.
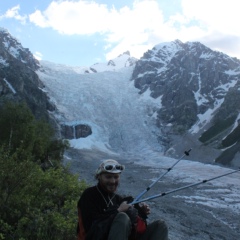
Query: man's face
[[109, 181]]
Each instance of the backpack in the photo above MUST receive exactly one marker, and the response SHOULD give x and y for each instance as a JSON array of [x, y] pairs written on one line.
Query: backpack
[[98, 231]]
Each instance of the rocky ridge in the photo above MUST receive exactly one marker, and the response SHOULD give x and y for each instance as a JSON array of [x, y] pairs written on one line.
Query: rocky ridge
[[18, 79], [191, 81]]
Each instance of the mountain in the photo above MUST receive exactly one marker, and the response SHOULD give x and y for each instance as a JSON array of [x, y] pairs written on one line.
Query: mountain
[[183, 95], [122, 61], [18, 79], [177, 96], [199, 94]]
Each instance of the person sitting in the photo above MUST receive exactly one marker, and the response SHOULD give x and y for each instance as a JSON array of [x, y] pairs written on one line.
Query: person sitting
[[105, 215]]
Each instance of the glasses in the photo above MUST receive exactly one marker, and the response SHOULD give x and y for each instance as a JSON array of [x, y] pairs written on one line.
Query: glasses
[[113, 167]]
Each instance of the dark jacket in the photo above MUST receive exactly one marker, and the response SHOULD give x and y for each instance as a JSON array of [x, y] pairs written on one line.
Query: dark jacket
[[97, 205]]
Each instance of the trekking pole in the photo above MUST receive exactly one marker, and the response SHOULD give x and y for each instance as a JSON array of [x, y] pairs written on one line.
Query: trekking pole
[[184, 187], [186, 153]]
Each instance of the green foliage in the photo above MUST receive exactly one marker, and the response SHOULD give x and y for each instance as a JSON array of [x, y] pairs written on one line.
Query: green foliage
[[16, 126], [35, 202], [19, 129]]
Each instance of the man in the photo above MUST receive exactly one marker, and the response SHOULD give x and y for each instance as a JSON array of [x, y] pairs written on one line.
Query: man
[[105, 215]]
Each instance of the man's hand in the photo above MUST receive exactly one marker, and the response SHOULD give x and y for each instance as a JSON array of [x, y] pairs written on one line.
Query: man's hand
[[144, 208], [133, 214], [124, 207]]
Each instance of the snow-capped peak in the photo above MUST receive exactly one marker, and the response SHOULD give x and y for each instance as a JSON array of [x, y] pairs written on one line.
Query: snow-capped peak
[[122, 61]]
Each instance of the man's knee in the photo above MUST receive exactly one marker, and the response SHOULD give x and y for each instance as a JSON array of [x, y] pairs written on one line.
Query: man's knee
[[121, 226], [162, 227], [123, 219], [161, 224]]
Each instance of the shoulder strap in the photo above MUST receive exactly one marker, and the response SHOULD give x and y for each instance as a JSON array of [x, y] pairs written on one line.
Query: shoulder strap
[[81, 230]]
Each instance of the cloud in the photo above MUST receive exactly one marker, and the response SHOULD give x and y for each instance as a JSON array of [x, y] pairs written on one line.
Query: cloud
[[128, 27], [215, 15], [67, 17], [216, 23], [142, 25], [13, 13]]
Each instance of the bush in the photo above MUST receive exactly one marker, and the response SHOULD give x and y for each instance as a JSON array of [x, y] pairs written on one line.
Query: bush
[[35, 202]]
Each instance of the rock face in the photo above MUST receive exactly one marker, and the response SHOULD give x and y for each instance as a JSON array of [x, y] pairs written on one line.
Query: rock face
[[75, 131], [18, 80], [191, 82]]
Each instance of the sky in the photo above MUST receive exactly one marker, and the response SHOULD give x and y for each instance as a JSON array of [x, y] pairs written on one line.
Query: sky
[[84, 32]]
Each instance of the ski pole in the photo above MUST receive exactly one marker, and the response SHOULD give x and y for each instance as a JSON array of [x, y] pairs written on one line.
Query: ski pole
[[184, 187], [186, 153]]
